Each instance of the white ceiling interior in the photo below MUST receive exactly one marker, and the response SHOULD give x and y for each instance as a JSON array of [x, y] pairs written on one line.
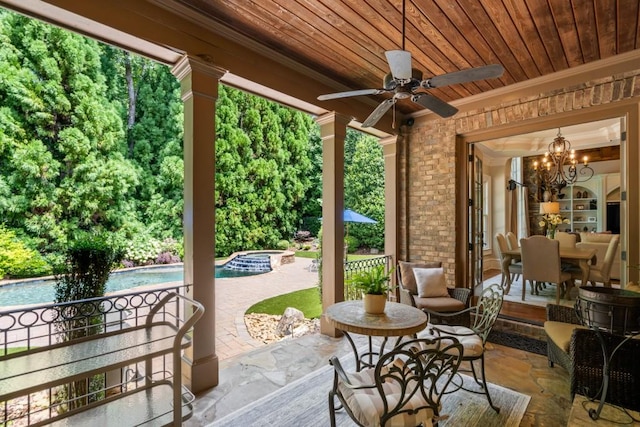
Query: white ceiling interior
[[587, 135]]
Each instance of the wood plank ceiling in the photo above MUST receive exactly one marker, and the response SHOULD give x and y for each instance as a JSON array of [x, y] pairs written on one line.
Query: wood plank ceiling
[[346, 39]]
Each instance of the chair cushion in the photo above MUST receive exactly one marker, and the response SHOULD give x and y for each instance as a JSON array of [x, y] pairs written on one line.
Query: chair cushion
[[441, 304], [431, 282], [560, 333], [408, 278], [367, 405], [471, 342]]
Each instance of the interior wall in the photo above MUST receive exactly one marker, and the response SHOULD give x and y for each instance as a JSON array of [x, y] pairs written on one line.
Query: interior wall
[[433, 144]]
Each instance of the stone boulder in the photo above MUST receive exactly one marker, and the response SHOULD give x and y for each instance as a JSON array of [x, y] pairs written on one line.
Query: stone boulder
[[288, 321]]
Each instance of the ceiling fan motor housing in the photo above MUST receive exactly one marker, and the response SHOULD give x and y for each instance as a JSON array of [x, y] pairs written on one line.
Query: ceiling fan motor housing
[[389, 83]]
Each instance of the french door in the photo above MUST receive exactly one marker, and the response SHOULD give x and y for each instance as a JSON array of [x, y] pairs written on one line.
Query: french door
[[476, 216]]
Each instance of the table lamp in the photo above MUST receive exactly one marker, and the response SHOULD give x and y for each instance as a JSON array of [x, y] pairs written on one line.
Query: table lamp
[[549, 208]]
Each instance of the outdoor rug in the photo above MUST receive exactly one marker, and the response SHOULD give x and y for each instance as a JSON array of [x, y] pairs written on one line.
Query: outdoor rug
[[304, 403], [520, 342]]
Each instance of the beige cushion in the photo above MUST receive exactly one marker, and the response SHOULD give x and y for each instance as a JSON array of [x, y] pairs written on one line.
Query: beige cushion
[[367, 405], [632, 287], [431, 282], [440, 304], [406, 274], [471, 342], [560, 333]]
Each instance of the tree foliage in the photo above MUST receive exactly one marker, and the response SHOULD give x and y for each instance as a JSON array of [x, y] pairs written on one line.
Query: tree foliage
[[91, 141], [364, 187], [262, 169]]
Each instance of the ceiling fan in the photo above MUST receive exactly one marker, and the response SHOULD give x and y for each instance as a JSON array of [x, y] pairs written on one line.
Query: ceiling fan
[[406, 82]]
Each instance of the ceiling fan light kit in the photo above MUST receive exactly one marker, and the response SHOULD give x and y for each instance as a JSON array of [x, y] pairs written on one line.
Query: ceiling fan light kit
[[406, 82]]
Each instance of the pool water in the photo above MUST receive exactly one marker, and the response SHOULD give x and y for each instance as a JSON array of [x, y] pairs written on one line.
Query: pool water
[[43, 291]]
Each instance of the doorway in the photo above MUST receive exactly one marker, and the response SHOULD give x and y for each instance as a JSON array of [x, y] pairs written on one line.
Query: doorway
[[497, 154]]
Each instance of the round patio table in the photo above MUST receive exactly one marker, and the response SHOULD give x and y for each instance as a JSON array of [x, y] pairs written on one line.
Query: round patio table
[[398, 320]]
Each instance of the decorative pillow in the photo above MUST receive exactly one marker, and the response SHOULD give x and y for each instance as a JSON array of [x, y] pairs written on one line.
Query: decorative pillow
[[431, 282], [407, 276]]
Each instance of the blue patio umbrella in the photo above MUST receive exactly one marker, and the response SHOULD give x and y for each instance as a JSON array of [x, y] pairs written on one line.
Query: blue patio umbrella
[[350, 216]]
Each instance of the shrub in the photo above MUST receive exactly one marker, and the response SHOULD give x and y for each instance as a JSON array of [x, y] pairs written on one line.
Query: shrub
[[283, 245], [353, 243], [17, 260], [89, 261], [167, 258]]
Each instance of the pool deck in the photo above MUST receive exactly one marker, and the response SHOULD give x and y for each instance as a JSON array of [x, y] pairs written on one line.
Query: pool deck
[[235, 295]]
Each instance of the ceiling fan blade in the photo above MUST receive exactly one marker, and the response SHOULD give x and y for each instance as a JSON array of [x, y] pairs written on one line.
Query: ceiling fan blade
[[479, 73], [399, 64], [379, 112], [350, 93], [434, 104]]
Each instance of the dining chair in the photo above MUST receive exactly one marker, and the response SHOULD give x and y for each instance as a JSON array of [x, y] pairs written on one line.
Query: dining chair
[[567, 240], [601, 271], [512, 240], [403, 389], [541, 263], [474, 338], [513, 270]]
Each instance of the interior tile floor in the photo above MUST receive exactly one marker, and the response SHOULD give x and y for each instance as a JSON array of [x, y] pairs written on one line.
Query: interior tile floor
[[247, 377]]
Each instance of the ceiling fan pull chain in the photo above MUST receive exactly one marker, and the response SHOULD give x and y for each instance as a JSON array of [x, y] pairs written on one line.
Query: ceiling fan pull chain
[[393, 122]]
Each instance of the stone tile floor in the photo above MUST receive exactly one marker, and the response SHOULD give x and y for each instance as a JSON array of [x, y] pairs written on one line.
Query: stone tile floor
[[250, 369], [247, 377]]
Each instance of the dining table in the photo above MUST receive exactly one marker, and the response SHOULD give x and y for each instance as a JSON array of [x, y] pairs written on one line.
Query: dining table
[[574, 255], [398, 320]]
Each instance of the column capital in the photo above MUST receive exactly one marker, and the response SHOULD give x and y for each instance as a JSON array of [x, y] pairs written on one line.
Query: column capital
[[333, 117], [203, 65]]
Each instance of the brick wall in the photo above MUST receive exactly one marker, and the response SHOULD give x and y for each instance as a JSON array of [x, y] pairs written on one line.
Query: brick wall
[[427, 162]]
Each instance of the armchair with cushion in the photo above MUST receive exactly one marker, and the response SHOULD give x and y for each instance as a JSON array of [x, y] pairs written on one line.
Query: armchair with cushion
[[435, 299], [403, 389], [579, 350]]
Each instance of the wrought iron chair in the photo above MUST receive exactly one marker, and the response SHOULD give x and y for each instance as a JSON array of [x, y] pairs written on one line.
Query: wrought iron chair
[[473, 339], [404, 388], [458, 301]]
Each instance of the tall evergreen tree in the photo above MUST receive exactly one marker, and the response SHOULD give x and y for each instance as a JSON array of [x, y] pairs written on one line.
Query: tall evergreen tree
[[262, 170], [364, 187], [61, 145]]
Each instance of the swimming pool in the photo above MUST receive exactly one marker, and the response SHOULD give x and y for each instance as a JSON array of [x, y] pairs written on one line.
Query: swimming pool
[[43, 291]]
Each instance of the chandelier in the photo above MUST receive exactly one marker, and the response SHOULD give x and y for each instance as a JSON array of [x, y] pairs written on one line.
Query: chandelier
[[559, 166]]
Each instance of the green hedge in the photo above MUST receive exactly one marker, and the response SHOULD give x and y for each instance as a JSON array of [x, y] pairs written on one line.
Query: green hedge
[[17, 260]]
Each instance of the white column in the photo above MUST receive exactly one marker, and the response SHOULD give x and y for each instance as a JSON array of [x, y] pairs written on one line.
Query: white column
[[333, 130], [199, 85]]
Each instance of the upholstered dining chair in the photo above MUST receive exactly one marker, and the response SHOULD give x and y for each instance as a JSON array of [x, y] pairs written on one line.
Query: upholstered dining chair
[[509, 272], [512, 240], [541, 263], [601, 271], [567, 240], [404, 387], [474, 338]]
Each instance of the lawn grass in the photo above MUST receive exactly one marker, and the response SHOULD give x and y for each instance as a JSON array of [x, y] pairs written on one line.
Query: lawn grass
[[307, 254], [305, 300]]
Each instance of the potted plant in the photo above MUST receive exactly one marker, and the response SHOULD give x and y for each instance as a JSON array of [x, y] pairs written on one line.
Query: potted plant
[[374, 284]]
